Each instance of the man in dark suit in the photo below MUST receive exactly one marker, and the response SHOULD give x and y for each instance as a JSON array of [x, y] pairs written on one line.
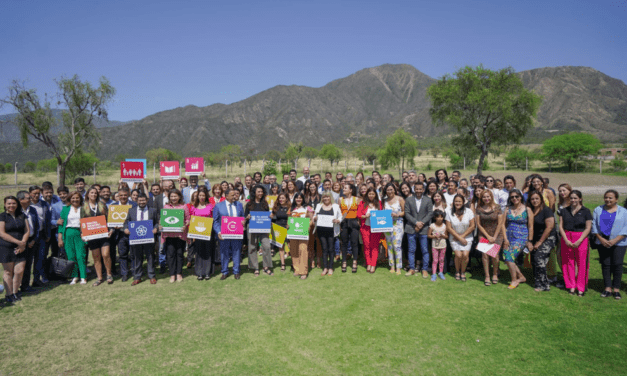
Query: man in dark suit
[[31, 246], [418, 213], [228, 247], [138, 251], [158, 202]]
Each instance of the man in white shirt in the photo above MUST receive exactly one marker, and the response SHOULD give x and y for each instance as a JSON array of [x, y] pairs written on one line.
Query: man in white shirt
[[193, 187], [305, 176], [450, 193]]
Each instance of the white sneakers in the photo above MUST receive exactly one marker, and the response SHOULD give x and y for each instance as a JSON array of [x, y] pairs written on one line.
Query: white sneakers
[[75, 281]]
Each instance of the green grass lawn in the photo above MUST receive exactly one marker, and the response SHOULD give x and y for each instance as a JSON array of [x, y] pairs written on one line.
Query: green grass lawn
[[345, 324]]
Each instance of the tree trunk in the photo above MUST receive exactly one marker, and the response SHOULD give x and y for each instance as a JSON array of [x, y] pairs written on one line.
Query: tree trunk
[[62, 174], [484, 153]]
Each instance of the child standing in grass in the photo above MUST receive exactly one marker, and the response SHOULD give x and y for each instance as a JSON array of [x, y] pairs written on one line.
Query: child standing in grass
[[437, 234]]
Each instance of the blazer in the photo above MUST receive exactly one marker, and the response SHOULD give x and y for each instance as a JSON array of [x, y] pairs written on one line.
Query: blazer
[[618, 228], [32, 213], [157, 202], [221, 210], [414, 214], [64, 214], [153, 215], [187, 195]]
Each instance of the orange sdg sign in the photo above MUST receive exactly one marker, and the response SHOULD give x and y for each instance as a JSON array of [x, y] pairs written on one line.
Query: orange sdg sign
[[94, 228]]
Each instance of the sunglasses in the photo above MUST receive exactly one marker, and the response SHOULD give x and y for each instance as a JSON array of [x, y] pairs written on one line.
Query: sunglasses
[[514, 196], [489, 181]]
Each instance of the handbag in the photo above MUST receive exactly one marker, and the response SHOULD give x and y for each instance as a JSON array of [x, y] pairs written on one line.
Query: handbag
[[61, 267]]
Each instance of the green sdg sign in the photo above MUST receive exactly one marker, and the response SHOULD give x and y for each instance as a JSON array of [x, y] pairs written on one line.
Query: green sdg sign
[[172, 220]]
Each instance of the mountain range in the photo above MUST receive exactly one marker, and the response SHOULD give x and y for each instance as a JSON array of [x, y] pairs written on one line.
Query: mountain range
[[368, 104]]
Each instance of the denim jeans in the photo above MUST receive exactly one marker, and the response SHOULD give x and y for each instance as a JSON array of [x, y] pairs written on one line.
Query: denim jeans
[[424, 248]]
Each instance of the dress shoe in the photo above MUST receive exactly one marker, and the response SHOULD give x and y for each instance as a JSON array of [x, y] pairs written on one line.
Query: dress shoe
[[38, 284], [124, 278], [45, 280], [153, 281], [224, 276], [236, 276], [136, 282], [27, 289]]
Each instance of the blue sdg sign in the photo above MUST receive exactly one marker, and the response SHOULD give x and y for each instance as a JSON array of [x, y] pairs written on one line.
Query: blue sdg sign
[[140, 232], [381, 221], [260, 222]]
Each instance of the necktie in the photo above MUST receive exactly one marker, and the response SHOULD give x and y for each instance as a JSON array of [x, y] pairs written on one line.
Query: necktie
[[143, 215], [231, 210]]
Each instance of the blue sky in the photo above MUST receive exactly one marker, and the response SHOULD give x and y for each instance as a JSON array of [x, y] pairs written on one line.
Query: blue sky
[[162, 55]]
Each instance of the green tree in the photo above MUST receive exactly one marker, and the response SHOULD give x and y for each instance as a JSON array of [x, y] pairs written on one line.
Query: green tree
[[29, 167], [81, 103], [250, 155], [435, 151], [273, 155], [486, 107], [269, 168], [518, 157], [309, 152], [399, 147], [161, 154], [571, 147], [293, 152], [9, 167], [366, 153], [331, 153]]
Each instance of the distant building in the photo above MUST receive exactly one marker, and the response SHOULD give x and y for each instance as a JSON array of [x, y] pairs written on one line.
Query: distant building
[[612, 153]]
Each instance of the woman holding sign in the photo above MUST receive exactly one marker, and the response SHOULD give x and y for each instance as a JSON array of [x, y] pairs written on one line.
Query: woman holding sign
[[369, 202], [279, 215], [70, 236], [298, 247], [490, 219], [99, 247], [394, 239], [202, 248], [327, 218], [175, 240], [258, 203]]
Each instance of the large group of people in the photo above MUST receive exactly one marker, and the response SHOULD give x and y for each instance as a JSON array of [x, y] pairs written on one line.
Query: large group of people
[[440, 224]]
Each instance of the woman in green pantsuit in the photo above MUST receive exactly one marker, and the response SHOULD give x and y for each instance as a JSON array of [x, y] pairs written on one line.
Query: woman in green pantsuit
[[70, 237]]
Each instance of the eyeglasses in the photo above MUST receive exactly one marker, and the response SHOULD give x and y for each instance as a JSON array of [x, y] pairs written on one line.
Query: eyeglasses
[[489, 181]]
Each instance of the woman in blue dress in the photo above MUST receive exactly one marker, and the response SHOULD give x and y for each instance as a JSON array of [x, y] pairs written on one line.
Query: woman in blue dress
[[519, 231]]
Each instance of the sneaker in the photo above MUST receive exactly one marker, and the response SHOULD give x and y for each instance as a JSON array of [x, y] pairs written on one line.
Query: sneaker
[[617, 295], [433, 277], [74, 281], [441, 275], [45, 280], [83, 281]]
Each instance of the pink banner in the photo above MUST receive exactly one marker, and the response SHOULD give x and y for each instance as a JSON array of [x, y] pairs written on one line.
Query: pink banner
[[194, 166], [169, 169], [132, 172], [232, 227]]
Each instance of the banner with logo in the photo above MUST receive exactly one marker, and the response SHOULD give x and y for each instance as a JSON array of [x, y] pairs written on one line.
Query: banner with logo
[[298, 228], [169, 170], [194, 166], [381, 221], [200, 228], [117, 215], [94, 228], [132, 172], [260, 222], [172, 220], [278, 235], [144, 162], [141, 232], [232, 227]]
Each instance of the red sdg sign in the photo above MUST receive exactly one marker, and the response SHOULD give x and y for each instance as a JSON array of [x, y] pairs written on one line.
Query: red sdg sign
[[194, 166], [132, 172], [170, 170]]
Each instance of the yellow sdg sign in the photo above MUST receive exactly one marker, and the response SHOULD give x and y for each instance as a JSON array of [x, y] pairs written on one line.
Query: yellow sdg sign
[[200, 228], [117, 215]]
